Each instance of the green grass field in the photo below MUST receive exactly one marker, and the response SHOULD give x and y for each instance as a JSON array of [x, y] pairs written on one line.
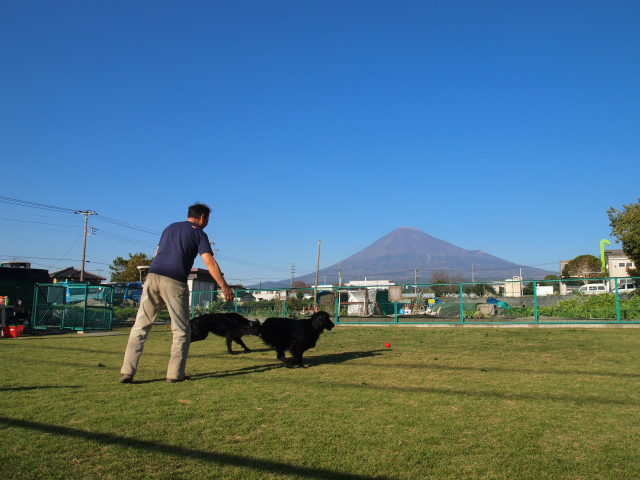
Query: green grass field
[[512, 403]]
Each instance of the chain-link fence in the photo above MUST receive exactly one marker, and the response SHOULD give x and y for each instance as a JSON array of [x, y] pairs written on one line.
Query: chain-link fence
[[19, 303], [72, 307], [250, 303], [515, 301]]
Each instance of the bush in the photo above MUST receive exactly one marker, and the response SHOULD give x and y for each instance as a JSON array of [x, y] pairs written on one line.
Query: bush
[[586, 307], [126, 314], [271, 308]]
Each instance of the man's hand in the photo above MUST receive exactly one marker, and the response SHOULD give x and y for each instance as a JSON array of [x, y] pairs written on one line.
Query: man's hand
[[228, 293], [217, 275]]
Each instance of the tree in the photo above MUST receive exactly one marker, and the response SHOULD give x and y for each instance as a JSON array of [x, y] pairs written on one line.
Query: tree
[[625, 226], [527, 290], [127, 270], [555, 285], [443, 283], [479, 289], [583, 266]]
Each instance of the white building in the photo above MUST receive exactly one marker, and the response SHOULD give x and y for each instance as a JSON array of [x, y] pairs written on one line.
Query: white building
[[513, 287], [376, 284], [266, 295], [617, 263]]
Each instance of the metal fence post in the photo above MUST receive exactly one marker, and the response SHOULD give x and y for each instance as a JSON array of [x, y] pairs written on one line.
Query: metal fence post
[[617, 301], [34, 308], [395, 311], [86, 299], [110, 307], [64, 312], [235, 300], [461, 306], [535, 302]]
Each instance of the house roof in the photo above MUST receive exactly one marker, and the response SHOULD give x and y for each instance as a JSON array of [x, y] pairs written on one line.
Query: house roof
[[23, 275], [74, 273], [619, 253], [201, 274]]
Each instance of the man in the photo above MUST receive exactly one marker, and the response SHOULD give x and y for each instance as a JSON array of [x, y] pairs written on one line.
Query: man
[[166, 284]]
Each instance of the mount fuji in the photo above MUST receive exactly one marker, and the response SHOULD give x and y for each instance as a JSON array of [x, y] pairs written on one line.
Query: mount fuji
[[398, 255]]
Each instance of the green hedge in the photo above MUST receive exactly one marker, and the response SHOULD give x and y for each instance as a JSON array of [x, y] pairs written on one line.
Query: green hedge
[[586, 307]]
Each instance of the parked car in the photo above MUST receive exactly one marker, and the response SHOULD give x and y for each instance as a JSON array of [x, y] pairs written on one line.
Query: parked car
[[626, 287], [593, 289], [127, 291]]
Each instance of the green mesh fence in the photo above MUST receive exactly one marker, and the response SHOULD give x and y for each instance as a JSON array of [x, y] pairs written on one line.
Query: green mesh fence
[[19, 299], [515, 301], [562, 301], [73, 307], [250, 303]]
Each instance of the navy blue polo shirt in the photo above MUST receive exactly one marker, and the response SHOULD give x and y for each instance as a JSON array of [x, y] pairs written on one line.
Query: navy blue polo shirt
[[180, 244]]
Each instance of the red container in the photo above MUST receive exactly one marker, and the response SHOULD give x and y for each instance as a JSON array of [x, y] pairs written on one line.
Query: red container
[[13, 332]]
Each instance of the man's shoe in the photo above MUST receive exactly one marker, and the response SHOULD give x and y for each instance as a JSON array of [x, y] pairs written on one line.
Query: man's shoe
[[176, 380], [124, 378]]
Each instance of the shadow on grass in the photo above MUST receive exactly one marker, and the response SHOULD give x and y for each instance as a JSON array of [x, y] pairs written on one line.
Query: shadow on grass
[[578, 400], [225, 353], [311, 361], [238, 371], [25, 389], [222, 374], [82, 350], [276, 468], [428, 366], [334, 358]]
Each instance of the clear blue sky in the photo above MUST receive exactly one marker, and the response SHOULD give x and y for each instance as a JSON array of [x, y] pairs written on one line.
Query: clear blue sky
[[504, 126]]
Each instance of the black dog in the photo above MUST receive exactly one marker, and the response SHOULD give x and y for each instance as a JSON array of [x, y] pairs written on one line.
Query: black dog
[[229, 325], [297, 336]]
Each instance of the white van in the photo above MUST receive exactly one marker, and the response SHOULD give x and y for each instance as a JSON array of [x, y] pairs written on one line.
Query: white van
[[593, 289]]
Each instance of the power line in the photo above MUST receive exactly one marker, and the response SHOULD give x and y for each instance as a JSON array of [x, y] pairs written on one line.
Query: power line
[[123, 239], [40, 223], [25, 203], [127, 225], [247, 263], [65, 253], [31, 258]]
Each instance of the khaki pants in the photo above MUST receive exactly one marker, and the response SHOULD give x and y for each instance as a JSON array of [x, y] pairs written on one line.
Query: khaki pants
[[158, 291]]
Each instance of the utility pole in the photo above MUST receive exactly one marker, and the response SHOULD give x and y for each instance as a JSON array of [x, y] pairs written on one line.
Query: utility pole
[[292, 270], [317, 271], [339, 284], [416, 275], [86, 214], [473, 273]]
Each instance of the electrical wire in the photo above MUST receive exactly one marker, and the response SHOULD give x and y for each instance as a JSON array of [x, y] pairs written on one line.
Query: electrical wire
[[123, 239], [40, 223], [223, 257], [25, 203], [127, 225], [65, 254]]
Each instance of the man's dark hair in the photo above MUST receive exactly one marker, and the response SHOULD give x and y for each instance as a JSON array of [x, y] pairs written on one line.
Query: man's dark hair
[[198, 209]]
